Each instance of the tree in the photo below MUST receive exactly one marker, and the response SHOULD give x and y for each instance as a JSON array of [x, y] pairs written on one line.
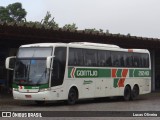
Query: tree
[[12, 13], [49, 23], [70, 26]]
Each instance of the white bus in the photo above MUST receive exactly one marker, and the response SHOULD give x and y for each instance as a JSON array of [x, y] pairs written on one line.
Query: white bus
[[78, 70]]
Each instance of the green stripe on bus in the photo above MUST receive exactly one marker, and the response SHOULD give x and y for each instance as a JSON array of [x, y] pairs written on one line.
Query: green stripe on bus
[[115, 83], [69, 72], [131, 72], [104, 73], [142, 73], [88, 73], [99, 73], [119, 73], [31, 87]]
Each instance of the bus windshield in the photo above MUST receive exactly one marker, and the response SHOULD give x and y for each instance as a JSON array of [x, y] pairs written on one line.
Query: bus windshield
[[30, 67], [31, 72]]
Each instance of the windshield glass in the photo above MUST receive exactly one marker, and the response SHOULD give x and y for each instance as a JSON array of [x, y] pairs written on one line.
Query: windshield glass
[[30, 67], [31, 72]]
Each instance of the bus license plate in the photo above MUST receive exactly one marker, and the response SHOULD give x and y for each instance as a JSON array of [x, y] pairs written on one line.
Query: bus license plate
[[28, 96]]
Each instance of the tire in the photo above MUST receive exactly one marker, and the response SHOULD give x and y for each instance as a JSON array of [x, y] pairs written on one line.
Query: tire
[[127, 93], [135, 92], [40, 102], [72, 96]]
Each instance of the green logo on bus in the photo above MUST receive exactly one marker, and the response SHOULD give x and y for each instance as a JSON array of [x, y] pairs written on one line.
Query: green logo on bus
[[74, 72], [87, 73], [82, 73]]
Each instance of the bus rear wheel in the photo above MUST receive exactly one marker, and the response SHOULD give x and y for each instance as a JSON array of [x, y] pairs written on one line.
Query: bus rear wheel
[[127, 93], [135, 92], [72, 96]]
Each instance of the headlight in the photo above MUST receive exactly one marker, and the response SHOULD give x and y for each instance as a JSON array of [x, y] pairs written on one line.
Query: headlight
[[44, 89], [15, 89]]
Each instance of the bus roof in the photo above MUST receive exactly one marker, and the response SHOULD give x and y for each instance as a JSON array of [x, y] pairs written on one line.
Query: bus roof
[[43, 44], [87, 45], [94, 44]]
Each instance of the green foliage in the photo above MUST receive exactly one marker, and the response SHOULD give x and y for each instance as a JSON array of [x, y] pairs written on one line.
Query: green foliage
[[12, 13], [49, 23], [4, 14], [70, 26]]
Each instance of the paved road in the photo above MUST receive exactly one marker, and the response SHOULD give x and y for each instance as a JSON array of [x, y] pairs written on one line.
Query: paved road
[[149, 102]]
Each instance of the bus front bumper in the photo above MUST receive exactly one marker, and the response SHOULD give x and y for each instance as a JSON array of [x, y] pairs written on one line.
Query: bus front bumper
[[42, 96]]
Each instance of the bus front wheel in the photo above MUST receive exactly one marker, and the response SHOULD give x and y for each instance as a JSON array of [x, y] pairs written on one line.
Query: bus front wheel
[[127, 93], [72, 96]]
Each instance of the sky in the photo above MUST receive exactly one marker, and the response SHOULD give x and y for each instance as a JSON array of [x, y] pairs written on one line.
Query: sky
[[137, 17]]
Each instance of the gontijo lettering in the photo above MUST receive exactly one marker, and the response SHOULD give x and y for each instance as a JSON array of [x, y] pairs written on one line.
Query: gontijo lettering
[[87, 73]]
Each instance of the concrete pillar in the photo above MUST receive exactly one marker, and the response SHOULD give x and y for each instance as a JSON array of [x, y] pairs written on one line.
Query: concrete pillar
[[153, 82]]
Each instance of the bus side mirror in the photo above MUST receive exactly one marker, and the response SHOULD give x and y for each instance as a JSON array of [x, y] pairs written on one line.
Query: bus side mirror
[[48, 62], [10, 62]]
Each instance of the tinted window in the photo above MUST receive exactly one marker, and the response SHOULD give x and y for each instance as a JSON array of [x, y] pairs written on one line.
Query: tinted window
[[145, 60], [141, 60], [108, 58], [136, 60], [128, 59], [101, 58], [90, 57], [117, 59], [75, 57], [72, 60]]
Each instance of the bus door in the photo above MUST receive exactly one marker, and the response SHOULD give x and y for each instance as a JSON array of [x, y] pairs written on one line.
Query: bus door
[[59, 64]]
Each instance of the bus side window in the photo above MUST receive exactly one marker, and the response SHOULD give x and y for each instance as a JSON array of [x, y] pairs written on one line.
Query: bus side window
[[75, 57], [146, 60], [90, 57], [79, 57], [138, 60], [115, 59], [141, 60], [128, 59], [108, 58], [135, 60], [72, 60], [121, 59], [101, 58]]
